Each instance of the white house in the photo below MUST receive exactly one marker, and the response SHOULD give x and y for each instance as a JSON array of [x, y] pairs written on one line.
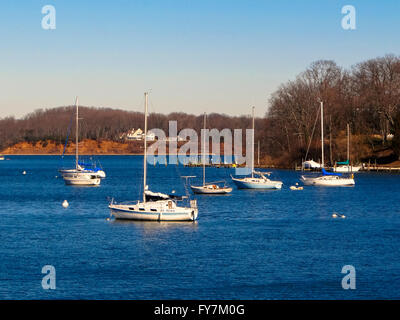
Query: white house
[[134, 134], [137, 135]]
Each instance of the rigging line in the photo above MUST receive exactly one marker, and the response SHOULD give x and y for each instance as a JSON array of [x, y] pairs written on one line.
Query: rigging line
[[68, 132], [141, 174], [178, 172], [141, 191], [152, 109], [312, 134]]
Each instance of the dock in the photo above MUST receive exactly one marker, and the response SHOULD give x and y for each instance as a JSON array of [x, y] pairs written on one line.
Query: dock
[[375, 168]]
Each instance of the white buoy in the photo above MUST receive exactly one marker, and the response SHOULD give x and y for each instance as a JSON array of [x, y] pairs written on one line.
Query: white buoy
[[343, 216], [334, 215], [65, 204], [23, 172], [296, 187]]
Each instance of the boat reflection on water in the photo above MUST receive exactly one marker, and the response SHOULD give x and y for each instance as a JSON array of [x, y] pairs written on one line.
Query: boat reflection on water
[[156, 226]]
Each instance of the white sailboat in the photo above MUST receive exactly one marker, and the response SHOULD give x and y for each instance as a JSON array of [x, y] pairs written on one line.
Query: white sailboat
[[345, 165], [81, 175], [327, 178], [154, 206], [258, 180], [210, 187]]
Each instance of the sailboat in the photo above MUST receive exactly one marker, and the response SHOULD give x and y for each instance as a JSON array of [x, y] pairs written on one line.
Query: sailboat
[[345, 166], [258, 180], [327, 178], [210, 187], [155, 206], [82, 174]]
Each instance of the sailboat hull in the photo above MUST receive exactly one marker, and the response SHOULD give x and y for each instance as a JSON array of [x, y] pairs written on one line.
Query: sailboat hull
[[206, 190], [328, 181], [249, 183], [81, 181], [345, 169], [127, 212], [73, 177]]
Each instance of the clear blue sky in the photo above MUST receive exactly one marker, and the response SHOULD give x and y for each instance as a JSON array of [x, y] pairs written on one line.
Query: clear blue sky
[[195, 56]]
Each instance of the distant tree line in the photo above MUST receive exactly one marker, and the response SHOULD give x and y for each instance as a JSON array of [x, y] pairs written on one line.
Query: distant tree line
[[367, 96], [103, 123]]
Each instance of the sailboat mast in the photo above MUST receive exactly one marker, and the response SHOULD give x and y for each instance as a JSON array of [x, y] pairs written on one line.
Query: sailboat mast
[[204, 151], [348, 143], [252, 146], [145, 146], [76, 134], [322, 134]]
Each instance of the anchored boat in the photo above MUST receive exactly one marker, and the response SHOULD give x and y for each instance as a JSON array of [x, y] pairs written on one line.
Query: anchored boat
[[258, 180], [345, 166], [154, 206], [327, 178], [210, 187], [82, 174]]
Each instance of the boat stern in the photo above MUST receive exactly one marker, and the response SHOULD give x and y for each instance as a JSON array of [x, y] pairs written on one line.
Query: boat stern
[[195, 210]]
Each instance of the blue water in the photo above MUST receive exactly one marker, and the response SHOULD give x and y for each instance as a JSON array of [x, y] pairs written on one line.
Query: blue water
[[252, 244]]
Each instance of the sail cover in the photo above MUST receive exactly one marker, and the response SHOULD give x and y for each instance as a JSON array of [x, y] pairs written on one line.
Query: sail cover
[[157, 196], [89, 166], [311, 164], [343, 162], [326, 173]]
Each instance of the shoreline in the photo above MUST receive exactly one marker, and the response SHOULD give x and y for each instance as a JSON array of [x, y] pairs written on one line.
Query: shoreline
[[380, 169], [82, 154]]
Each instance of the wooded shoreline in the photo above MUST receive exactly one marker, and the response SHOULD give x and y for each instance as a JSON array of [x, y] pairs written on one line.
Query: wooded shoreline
[[364, 97]]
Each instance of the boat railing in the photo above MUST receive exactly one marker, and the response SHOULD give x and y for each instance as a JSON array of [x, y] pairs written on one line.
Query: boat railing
[[123, 202], [216, 182], [262, 173], [193, 204]]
